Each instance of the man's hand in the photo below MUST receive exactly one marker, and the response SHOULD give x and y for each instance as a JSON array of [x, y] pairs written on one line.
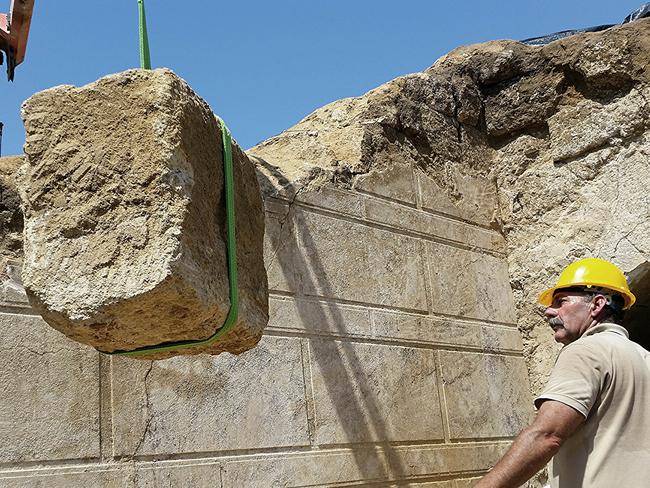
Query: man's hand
[[534, 446]]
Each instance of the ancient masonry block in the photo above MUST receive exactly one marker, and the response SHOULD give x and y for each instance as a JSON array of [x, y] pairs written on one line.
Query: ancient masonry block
[[125, 219]]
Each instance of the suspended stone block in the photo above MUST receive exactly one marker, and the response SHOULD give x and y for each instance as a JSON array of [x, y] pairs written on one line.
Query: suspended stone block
[[125, 222]]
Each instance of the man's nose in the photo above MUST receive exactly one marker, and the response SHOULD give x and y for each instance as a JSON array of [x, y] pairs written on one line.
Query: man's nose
[[550, 312]]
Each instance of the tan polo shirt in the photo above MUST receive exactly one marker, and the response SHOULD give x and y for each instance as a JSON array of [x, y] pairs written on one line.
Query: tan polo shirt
[[606, 377]]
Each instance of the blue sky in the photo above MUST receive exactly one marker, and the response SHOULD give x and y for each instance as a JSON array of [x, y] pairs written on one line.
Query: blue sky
[[264, 65]]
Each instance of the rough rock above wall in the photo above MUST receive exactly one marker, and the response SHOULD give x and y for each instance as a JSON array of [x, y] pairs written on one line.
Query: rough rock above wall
[[11, 217], [125, 234], [559, 133]]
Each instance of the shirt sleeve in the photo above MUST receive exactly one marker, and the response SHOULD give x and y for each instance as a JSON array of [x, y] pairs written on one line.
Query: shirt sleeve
[[577, 377]]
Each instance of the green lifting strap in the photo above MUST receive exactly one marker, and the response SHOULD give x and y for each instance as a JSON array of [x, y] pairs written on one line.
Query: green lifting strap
[[145, 56], [231, 249]]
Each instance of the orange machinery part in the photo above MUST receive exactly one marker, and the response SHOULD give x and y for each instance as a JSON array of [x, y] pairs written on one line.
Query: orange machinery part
[[14, 31]]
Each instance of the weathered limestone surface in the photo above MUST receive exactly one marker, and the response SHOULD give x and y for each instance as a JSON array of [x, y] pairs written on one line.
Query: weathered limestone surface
[[125, 219], [346, 408]]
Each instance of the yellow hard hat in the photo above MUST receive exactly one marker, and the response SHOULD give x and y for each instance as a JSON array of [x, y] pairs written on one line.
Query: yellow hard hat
[[591, 272]]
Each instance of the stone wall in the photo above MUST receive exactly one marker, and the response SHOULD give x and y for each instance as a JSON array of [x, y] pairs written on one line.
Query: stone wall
[[391, 354]]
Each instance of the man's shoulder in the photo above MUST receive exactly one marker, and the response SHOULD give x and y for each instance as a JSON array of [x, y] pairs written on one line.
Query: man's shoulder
[[606, 337], [603, 348]]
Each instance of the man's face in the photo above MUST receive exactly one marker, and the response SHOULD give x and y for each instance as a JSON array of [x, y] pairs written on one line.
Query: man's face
[[569, 315]]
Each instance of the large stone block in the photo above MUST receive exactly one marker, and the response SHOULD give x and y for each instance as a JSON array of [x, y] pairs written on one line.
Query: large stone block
[[470, 284], [473, 198], [395, 182], [49, 394], [487, 395], [125, 219], [279, 247], [255, 400], [374, 393], [346, 260]]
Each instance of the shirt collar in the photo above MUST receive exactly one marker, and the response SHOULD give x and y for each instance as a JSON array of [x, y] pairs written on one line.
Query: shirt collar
[[606, 327]]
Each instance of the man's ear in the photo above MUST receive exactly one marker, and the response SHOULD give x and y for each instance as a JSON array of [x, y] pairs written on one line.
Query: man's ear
[[598, 305]]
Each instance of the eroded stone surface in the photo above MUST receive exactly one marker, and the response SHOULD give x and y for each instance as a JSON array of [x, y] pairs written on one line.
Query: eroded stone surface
[[125, 220]]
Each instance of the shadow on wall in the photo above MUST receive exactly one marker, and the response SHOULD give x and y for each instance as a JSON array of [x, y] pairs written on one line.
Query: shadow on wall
[[636, 319], [356, 403]]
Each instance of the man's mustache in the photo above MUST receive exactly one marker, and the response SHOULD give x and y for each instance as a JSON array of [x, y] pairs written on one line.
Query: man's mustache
[[555, 321]]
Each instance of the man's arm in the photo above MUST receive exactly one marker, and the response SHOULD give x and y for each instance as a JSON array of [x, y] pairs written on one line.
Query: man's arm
[[534, 446]]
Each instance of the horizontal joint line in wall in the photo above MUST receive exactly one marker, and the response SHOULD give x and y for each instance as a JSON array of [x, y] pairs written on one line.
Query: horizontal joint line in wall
[[465, 440], [360, 339], [383, 198], [434, 443], [224, 455], [281, 293], [410, 206], [400, 231], [343, 301], [228, 455], [16, 468], [430, 211], [411, 481], [17, 309], [86, 465], [473, 320], [373, 306]]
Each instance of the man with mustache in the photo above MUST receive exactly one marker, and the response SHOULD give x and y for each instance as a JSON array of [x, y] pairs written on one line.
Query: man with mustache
[[592, 414]]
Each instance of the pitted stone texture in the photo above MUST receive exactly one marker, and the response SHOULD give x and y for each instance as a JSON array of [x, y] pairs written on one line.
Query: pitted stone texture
[[49, 394], [255, 400], [125, 220]]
